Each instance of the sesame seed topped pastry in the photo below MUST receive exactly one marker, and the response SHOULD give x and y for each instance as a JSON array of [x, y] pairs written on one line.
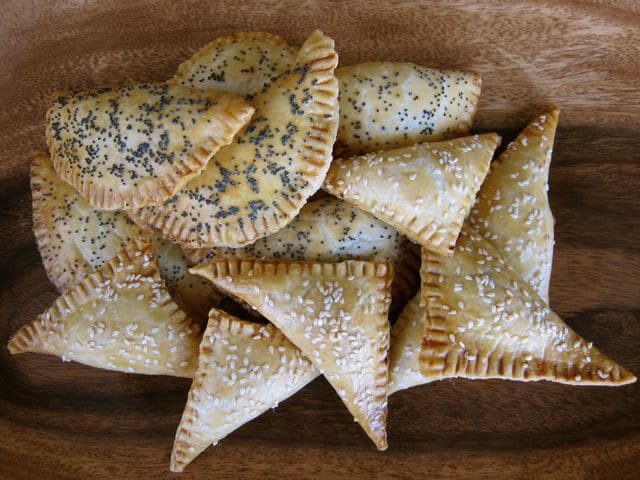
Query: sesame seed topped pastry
[[75, 239], [385, 105], [244, 369], [512, 209], [484, 321], [121, 317], [331, 230], [336, 313], [404, 351], [257, 185], [425, 190], [242, 63], [137, 145]]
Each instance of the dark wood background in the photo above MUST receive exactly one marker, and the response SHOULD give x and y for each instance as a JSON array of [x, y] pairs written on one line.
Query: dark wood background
[[73, 422]]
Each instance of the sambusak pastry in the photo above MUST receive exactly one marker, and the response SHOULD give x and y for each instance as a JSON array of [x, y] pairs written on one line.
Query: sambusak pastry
[[75, 239], [244, 369], [331, 230], [425, 191], [257, 185], [386, 105], [485, 321], [242, 63], [336, 313], [128, 147], [512, 210], [121, 317]]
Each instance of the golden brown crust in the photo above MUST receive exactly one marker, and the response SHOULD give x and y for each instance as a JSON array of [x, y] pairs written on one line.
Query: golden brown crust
[[255, 186], [512, 210], [336, 313], [74, 239], [244, 369], [242, 63], [159, 137], [331, 230], [386, 105], [425, 191], [484, 321], [121, 317]]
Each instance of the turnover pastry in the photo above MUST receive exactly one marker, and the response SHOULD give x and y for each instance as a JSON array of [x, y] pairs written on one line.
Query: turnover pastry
[[121, 317], [257, 185], [75, 239], [331, 230], [425, 190], [138, 145], [244, 369], [484, 321], [336, 313], [389, 105], [242, 63], [512, 210]]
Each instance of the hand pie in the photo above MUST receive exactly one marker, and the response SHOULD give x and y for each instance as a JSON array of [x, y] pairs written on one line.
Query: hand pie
[[512, 210], [121, 317], [336, 313], [243, 63], [244, 369], [404, 351], [330, 230], [75, 239], [425, 190], [484, 321], [389, 105], [257, 185], [138, 145]]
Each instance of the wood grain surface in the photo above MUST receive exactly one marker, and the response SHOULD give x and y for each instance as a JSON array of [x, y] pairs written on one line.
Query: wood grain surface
[[67, 421]]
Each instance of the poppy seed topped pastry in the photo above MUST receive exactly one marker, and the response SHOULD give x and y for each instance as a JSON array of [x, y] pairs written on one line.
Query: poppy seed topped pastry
[[138, 145], [242, 63], [425, 190], [386, 105], [121, 317], [75, 239], [336, 313], [257, 185]]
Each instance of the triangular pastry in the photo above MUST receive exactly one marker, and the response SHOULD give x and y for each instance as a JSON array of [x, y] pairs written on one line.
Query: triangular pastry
[[390, 105], [138, 145], [512, 209], [336, 313], [484, 321], [244, 369], [75, 239], [425, 190], [257, 185], [121, 317], [242, 63], [331, 230]]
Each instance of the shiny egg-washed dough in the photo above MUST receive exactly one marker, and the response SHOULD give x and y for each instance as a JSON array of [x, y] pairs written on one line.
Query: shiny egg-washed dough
[[137, 145], [484, 321], [385, 105], [244, 369], [425, 190], [512, 210], [121, 317], [257, 185], [336, 313], [332, 230], [75, 239], [242, 63]]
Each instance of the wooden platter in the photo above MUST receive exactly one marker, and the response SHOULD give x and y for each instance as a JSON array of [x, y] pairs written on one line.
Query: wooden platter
[[74, 422]]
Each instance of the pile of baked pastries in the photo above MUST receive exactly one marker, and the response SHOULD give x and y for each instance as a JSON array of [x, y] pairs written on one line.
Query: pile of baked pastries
[[320, 199]]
